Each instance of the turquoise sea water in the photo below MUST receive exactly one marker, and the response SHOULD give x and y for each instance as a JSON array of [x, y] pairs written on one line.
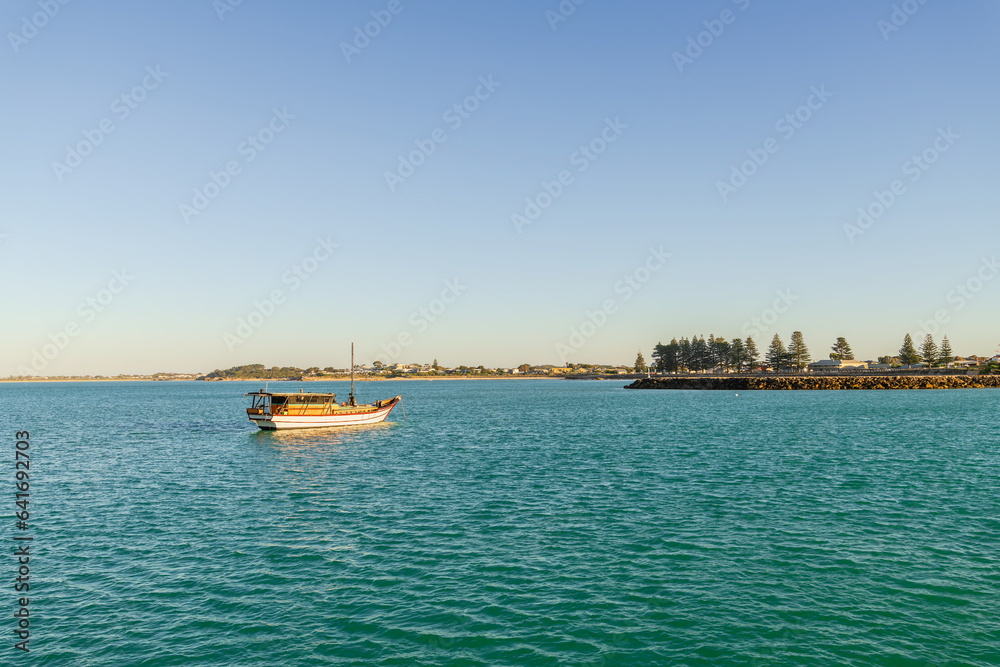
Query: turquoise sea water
[[510, 523]]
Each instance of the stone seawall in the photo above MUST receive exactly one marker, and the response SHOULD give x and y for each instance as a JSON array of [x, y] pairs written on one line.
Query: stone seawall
[[820, 382]]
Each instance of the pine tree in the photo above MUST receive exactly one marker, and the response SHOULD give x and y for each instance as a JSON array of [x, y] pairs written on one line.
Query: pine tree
[[673, 356], [704, 354], [842, 350], [929, 351], [720, 352], [737, 354], [685, 355], [435, 365], [946, 355], [907, 353], [699, 353], [776, 353], [798, 353], [640, 363], [660, 354], [753, 355], [710, 356]]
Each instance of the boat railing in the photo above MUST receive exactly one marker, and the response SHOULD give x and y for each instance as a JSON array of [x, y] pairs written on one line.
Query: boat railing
[[304, 410], [313, 410]]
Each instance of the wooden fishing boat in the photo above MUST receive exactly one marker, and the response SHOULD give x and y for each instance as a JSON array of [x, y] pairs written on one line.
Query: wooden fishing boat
[[273, 411]]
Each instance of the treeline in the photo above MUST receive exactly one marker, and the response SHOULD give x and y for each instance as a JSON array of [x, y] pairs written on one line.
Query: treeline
[[254, 372], [716, 353], [698, 354], [929, 353]]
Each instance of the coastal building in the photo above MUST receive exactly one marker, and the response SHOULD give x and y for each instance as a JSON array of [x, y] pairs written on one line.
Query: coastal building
[[826, 365]]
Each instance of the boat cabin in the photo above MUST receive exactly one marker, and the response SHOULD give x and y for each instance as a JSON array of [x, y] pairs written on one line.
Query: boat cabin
[[308, 404]]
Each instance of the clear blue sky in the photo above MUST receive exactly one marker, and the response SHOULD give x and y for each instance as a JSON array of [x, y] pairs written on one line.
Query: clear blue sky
[[678, 128]]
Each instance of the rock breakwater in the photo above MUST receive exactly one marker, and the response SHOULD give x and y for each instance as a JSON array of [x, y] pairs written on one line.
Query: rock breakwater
[[747, 383]]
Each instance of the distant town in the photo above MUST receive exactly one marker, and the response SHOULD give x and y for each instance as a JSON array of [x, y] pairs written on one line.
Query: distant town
[[402, 371], [375, 371]]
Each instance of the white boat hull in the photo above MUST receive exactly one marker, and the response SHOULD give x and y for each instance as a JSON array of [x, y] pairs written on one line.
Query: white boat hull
[[269, 422]]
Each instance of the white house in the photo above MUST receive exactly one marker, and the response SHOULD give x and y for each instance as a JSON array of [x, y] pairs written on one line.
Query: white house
[[838, 365]]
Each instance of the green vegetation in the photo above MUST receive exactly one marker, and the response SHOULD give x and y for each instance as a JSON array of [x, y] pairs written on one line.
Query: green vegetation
[[946, 356], [929, 351], [907, 353], [697, 354], [255, 372], [777, 355], [640, 364], [752, 353], [798, 353], [842, 350], [716, 354]]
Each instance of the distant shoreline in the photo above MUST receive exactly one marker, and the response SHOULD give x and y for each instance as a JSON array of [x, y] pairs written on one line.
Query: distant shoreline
[[346, 378], [77, 379]]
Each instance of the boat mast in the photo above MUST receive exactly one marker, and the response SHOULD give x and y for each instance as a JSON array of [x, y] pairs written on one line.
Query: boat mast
[[352, 401]]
